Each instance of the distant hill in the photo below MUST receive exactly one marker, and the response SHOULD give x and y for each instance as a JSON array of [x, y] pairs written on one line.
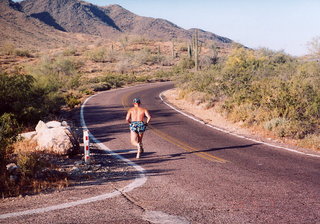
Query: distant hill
[[108, 21], [72, 16], [55, 21], [22, 30], [155, 28]]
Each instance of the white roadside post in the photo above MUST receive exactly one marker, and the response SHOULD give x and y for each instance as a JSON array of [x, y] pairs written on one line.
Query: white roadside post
[[86, 143]]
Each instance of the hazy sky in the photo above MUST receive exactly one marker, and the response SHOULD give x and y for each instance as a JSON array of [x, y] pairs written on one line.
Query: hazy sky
[[276, 24]]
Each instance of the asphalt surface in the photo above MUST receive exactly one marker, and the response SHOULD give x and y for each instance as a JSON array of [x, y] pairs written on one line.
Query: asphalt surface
[[195, 174]]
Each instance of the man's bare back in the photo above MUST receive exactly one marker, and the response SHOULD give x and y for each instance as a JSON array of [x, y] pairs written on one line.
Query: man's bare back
[[137, 114], [135, 117]]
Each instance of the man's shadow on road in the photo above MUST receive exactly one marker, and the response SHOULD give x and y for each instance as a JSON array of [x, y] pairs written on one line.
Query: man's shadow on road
[[215, 149]]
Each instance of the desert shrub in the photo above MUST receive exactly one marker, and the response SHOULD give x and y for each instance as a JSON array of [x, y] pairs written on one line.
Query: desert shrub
[[124, 65], [22, 96], [102, 55], [101, 87], [87, 91], [115, 80], [118, 80], [34, 172], [167, 61], [69, 52], [56, 73], [265, 88], [29, 163], [165, 75], [145, 57], [95, 80], [311, 141], [23, 53], [72, 100], [8, 49], [14, 91], [186, 63], [205, 61], [9, 129], [97, 55]]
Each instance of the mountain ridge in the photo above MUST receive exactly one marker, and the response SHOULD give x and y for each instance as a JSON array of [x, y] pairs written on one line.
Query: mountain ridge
[[109, 21], [22, 30], [74, 16]]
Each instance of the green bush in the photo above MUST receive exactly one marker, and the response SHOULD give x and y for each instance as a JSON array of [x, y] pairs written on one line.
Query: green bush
[[102, 55], [72, 101], [9, 129], [27, 99], [56, 73], [145, 57], [265, 88], [164, 75], [8, 49], [29, 163], [69, 52], [101, 87], [186, 63], [118, 80], [23, 53]]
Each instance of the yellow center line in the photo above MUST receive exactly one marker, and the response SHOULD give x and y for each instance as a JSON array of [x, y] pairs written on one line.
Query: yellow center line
[[179, 143]]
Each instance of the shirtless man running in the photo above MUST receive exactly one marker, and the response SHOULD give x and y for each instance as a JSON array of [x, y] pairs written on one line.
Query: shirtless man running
[[135, 117]]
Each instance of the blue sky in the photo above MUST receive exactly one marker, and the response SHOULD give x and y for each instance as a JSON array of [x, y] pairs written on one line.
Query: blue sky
[[276, 24]]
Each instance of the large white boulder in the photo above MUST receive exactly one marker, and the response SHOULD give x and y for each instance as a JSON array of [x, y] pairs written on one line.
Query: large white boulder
[[55, 138], [53, 124], [41, 126], [28, 135]]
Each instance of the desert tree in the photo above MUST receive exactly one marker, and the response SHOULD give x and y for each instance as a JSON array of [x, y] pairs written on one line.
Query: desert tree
[[314, 47]]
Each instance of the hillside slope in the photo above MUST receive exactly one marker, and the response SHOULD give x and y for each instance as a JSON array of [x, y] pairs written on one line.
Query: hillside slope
[[22, 30], [109, 21], [152, 27], [72, 16]]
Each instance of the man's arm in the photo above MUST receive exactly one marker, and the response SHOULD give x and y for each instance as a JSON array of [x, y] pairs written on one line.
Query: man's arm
[[148, 116], [128, 117]]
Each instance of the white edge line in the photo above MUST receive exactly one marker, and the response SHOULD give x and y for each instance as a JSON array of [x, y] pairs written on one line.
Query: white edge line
[[231, 133], [139, 181]]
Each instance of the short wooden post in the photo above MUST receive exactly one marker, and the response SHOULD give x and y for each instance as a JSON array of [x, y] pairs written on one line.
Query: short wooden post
[[86, 143]]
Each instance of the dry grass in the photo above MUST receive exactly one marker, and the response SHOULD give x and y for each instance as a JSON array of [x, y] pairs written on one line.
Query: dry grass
[[29, 178], [193, 103]]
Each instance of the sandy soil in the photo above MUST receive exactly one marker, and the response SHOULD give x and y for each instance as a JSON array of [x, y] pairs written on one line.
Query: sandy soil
[[215, 118]]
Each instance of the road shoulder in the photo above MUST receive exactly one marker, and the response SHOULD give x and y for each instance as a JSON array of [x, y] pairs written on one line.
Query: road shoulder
[[212, 117]]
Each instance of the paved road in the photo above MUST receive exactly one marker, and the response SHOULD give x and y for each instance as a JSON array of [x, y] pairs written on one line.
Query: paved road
[[195, 174], [205, 175]]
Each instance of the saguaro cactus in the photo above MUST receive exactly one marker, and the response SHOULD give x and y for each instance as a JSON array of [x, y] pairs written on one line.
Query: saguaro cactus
[[196, 49], [190, 51], [173, 51]]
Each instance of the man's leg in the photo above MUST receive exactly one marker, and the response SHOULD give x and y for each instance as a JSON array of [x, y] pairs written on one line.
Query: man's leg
[[140, 136], [134, 138]]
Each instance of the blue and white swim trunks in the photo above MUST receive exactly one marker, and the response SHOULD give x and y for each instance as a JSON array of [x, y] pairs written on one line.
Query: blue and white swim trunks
[[138, 126]]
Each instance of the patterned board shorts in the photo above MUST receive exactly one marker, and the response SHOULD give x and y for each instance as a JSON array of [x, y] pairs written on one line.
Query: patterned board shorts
[[137, 126]]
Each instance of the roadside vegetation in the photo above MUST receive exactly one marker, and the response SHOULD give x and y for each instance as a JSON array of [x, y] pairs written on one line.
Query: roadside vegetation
[[45, 83], [270, 90]]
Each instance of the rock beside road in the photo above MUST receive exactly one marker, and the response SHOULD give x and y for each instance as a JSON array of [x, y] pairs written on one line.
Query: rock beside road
[[54, 137]]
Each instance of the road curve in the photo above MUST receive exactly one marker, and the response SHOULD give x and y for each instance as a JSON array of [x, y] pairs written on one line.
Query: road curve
[[205, 175], [195, 174]]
